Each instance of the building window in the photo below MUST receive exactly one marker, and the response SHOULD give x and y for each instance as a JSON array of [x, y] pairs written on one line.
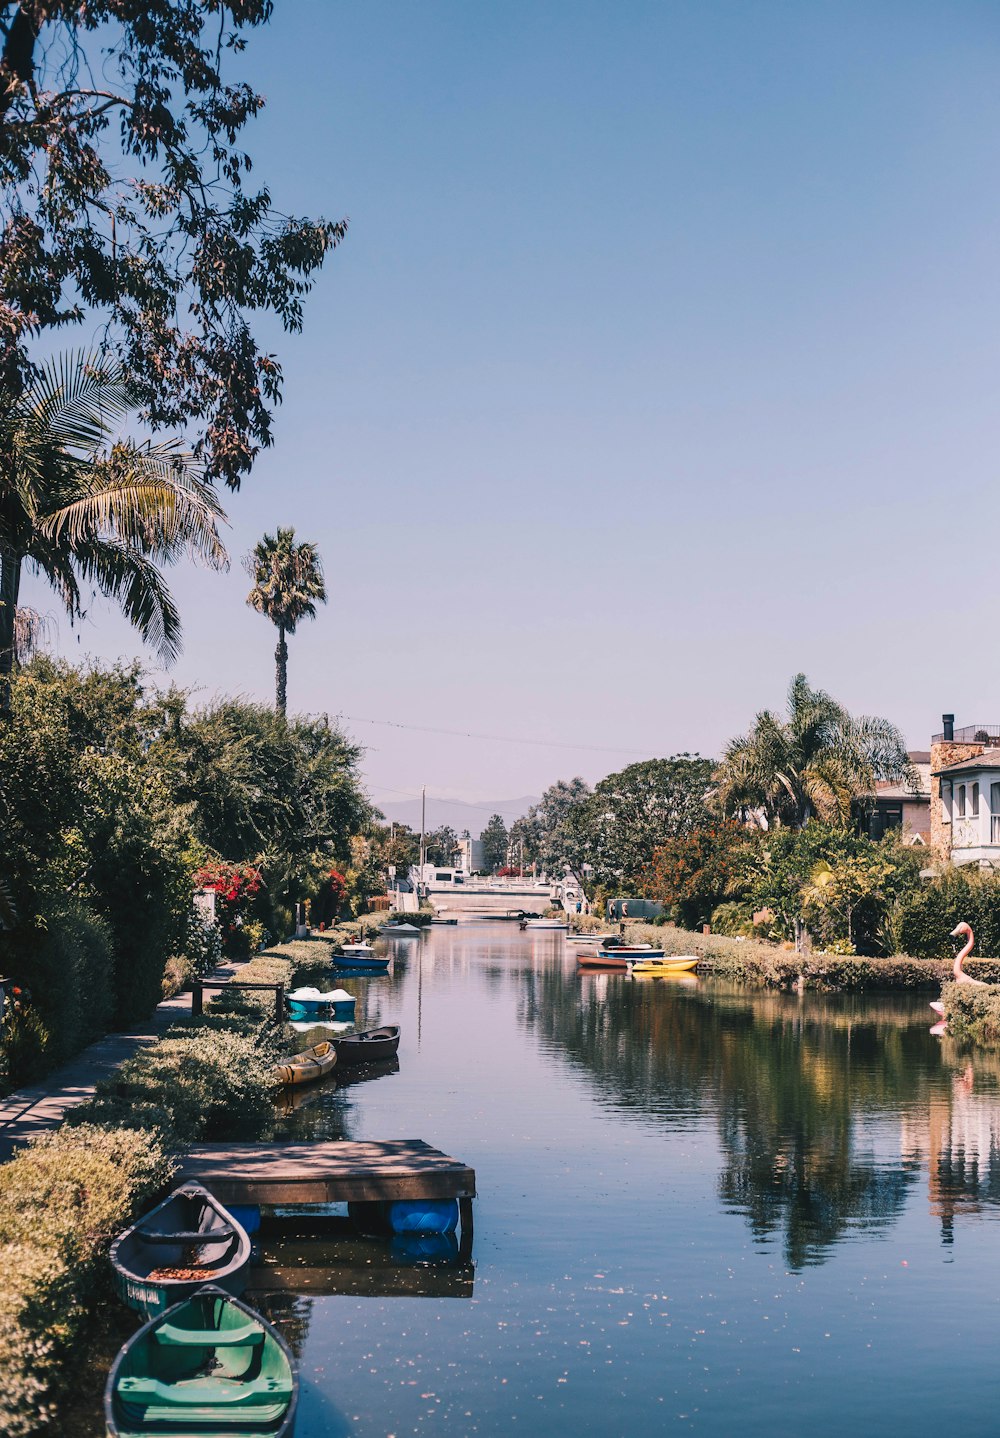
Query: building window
[[946, 797], [960, 804], [884, 818], [975, 801]]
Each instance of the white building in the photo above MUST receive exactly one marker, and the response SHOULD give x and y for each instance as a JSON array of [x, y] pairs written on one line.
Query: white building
[[970, 808]]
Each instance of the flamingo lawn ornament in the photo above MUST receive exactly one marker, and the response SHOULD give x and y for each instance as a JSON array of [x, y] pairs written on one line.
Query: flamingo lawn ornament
[[961, 977]]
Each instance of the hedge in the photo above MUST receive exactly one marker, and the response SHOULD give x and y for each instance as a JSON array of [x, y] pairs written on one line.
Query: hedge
[[62, 1201], [754, 962], [973, 1013]]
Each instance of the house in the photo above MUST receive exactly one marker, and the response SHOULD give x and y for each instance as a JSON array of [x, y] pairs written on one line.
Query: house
[[897, 806], [965, 793]]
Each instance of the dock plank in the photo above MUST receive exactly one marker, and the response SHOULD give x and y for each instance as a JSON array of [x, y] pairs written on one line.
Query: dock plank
[[337, 1172]]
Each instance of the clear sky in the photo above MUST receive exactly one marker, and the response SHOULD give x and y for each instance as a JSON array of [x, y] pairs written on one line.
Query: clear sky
[[662, 360]]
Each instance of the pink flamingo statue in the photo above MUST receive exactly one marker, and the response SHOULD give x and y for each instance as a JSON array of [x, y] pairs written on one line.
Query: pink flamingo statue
[[961, 977]]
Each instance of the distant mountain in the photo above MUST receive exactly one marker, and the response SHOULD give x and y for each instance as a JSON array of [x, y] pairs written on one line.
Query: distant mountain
[[473, 817]]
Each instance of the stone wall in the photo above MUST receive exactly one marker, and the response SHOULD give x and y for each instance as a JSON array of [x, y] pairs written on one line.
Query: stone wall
[[943, 753]]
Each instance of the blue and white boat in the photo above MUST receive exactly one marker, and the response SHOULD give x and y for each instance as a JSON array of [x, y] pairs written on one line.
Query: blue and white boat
[[309, 1000]]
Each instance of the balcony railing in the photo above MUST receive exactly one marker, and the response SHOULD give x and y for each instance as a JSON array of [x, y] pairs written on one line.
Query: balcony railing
[[972, 734]]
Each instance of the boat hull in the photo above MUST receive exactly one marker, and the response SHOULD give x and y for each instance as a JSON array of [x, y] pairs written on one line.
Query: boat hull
[[208, 1365], [190, 1236], [680, 965], [372, 964], [308, 1066], [372, 1047], [632, 955], [595, 961]]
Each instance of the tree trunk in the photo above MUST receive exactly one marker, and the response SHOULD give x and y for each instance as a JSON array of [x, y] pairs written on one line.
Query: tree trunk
[[281, 672], [10, 587]]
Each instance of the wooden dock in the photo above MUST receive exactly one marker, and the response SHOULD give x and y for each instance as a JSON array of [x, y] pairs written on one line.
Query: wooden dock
[[286, 1174]]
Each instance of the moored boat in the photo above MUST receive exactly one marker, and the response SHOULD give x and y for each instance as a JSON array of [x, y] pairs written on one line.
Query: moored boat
[[363, 958], [307, 1066], [588, 959], [209, 1365], [597, 939], [184, 1242], [371, 1047], [630, 951], [400, 931], [306, 1000], [677, 964], [546, 924]]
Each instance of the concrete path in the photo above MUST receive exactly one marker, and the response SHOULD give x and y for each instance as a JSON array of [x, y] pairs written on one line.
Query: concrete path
[[35, 1110]]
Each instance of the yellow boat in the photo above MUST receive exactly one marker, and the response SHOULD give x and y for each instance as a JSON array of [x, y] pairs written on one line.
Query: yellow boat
[[306, 1067], [679, 965]]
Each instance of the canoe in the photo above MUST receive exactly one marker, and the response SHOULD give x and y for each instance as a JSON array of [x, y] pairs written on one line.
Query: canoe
[[187, 1240], [308, 1066], [209, 1365], [307, 999], [587, 959], [371, 1047], [368, 962], [632, 952], [681, 964]]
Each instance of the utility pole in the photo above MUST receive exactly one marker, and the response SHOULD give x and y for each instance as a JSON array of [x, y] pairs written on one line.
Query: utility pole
[[423, 828]]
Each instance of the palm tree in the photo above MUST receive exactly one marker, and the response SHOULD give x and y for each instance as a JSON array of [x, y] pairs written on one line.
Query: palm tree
[[83, 507], [288, 584], [819, 761]]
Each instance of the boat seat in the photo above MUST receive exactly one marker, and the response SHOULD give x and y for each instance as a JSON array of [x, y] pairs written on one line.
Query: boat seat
[[210, 1235], [173, 1337], [204, 1393]]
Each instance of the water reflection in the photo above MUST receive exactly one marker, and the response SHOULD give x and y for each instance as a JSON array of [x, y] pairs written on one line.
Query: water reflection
[[828, 1109]]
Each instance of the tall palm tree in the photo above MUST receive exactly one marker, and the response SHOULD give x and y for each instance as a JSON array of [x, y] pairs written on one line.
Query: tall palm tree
[[85, 507], [288, 584], [818, 761]]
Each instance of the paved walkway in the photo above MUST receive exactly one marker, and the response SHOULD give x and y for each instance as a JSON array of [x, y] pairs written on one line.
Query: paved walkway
[[37, 1109]]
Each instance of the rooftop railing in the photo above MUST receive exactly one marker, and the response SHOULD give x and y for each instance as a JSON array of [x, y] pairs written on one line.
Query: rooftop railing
[[972, 734]]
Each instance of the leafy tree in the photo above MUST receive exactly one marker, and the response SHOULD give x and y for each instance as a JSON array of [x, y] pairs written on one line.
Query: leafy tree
[[86, 508], [440, 845], [494, 841], [692, 873], [630, 814], [288, 584], [819, 761], [125, 196], [546, 827], [259, 789], [396, 845]]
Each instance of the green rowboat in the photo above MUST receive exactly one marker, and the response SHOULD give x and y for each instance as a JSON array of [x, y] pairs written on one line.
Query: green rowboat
[[207, 1366]]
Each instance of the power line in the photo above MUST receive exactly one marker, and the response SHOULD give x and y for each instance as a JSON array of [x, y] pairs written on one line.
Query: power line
[[491, 738]]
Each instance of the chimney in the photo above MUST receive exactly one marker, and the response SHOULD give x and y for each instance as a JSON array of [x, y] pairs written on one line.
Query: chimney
[[948, 726]]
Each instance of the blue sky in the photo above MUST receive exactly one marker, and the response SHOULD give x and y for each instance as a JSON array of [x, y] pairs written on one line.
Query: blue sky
[[660, 361]]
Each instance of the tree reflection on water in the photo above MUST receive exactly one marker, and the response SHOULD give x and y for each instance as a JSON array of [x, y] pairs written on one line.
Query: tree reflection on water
[[828, 1108]]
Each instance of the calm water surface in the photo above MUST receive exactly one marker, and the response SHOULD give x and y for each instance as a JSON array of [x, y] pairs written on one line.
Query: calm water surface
[[700, 1209]]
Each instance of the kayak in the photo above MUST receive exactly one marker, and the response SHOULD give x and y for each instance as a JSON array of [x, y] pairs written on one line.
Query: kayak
[[209, 1365], [307, 1066], [681, 964]]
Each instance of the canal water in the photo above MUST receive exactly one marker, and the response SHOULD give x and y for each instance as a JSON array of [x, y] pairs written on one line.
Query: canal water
[[700, 1209]]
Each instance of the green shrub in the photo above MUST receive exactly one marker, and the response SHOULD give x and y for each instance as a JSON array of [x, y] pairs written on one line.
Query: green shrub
[[26, 1045], [197, 1083], [972, 1012], [71, 975], [61, 1202], [958, 895], [732, 918]]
